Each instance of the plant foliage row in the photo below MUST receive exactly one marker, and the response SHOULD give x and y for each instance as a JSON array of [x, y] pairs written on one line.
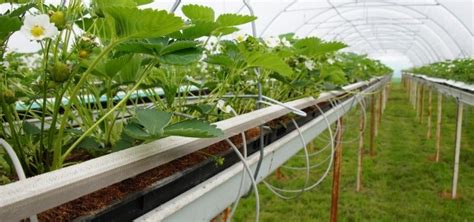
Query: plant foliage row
[[88, 90]]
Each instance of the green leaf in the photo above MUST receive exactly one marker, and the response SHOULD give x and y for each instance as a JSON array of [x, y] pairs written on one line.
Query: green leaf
[[114, 65], [153, 120], [102, 4], [30, 128], [328, 47], [198, 12], [178, 46], [147, 46], [8, 25], [268, 61], [220, 59], [225, 31], [143, 2], [98, 25], [201, 108], [313, 46], [130, 71], [22, 9], [136, 131], [183, 57], [234, 19], [133, 23], [124, 142], [90, 145], [15, 1], [193, 128], [199, 29], [333, 74]]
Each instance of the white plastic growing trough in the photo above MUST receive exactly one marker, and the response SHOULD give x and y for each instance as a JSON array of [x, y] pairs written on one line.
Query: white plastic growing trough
[[24, 198]]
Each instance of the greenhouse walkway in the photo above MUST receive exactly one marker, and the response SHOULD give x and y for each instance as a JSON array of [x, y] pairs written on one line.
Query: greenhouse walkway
[[400, 183]]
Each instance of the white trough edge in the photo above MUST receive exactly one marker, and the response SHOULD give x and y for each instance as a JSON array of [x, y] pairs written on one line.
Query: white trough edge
[[24, 198], [208, 199], [449, 89]]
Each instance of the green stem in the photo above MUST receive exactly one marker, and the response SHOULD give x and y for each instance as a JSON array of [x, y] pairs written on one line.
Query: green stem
[[57, 160], [57, 106], [111, 111], [13, 133], [45, 92]]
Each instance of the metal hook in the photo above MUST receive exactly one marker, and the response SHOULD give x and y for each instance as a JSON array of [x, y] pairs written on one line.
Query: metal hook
[[254, 26]]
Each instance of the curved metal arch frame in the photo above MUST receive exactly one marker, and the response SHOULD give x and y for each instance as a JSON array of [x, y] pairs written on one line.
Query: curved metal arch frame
[[404, 29], [387, 45], [373, 18], [401, 28], [333, 7], [417, 56], [426, 55], [409, 15], [382, 40], [394, 25], [276, 16], [457, 18], [418, 12]]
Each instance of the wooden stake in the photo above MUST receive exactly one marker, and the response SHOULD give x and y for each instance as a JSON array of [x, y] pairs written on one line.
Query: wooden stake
[[430, 109], [361, 151], [336, 171], [381, 98], [457, 151], [438, 126], [385, 97], [226, 214], [372, 126], [415, 98], [377, 108], [422, 100], [278, 174]]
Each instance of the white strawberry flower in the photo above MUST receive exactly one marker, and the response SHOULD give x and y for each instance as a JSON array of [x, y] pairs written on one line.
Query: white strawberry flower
[[285, 42], [309, 65], [221, 105], [272, 42], [38, 27]]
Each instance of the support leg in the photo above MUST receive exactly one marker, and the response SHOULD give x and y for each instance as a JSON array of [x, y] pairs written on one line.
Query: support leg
[[430, 110], [457, 151], [361, 152], [438, 126], [336, 171], [372, 126]]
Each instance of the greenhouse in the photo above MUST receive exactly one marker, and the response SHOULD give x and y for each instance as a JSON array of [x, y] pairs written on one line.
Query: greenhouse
[[236, 110]]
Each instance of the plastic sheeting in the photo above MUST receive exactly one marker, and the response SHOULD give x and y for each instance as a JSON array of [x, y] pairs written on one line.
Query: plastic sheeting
[[425, 31]]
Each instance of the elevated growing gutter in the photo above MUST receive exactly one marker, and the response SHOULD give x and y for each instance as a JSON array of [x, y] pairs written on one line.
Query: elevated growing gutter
[[37, 194], [459, 90], [208, 199]]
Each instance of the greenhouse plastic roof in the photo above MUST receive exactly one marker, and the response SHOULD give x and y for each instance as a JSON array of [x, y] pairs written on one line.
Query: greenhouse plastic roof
[[424, 31]]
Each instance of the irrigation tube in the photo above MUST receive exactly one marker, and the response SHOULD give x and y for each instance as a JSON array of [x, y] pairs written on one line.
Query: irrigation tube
[[303, 189], [363, 107], [237, 199], [325, 173], [252, 180], [17, 165]]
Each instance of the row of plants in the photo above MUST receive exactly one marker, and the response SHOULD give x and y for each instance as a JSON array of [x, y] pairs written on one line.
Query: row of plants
[[111, 75], [457, 69]]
